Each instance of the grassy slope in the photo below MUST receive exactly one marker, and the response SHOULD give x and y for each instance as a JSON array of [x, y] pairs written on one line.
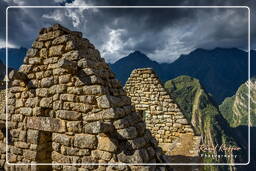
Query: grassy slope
[[199, 109], [235, 108]]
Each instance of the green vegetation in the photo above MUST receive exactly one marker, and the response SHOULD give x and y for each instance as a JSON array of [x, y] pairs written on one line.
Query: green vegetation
[[235, 108], [200, 110]]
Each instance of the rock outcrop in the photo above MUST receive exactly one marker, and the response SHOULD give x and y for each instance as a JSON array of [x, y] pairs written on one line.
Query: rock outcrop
[[65, 106]]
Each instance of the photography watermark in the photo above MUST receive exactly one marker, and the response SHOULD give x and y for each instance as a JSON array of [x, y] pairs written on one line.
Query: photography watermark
[[227, 151]]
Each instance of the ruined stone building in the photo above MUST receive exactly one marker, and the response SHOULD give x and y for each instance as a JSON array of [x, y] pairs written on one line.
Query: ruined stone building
[[161, 114], [65, 106]]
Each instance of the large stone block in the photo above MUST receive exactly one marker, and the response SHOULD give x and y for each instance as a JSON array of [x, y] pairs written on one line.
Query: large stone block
[[68, 115], [46, 124], [56, 50], [60, 40], [94, 90], [101, 155], [102, 115], [59, 158], [28, 154], [85, 141], [107, 144], [72, 55], [62, 139], [97, 127], [50, 35]]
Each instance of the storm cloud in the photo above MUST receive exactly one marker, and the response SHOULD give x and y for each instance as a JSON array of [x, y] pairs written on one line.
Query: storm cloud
[[162, 34]]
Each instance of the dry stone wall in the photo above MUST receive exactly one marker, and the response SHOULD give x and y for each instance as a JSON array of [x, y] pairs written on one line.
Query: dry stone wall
[[162, 115], [65, 106]]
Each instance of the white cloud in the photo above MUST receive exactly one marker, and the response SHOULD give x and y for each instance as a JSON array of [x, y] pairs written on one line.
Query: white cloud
[[56, 15], [112, 48], [10, 45]]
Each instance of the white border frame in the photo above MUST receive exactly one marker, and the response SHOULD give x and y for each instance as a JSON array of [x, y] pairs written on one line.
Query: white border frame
[[144, 164]]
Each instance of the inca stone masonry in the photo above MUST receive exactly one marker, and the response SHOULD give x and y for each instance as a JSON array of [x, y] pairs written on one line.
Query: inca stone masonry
[[65, 106]]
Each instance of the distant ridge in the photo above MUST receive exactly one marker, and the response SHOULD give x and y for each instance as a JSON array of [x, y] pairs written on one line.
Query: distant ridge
[[15, 56], [221, 70]]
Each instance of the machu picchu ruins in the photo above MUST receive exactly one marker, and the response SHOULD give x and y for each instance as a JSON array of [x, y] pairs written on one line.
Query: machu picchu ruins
[[66, 107]]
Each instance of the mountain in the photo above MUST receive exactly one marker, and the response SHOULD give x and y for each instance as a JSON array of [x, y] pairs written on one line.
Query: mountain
[[221, 70], [204, 115], [15, 56], [235, 108], [123, 67], [2, 70]]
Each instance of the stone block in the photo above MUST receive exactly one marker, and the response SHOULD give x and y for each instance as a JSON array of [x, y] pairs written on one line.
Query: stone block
[[25, 68], [32, 52], [103, 102], [127, 133], [72, 55], [28, 154], [46, 124], [68, 115], [94, 90], [101, 155], [43, 53], [104, 114], [32, 136], [63, 79], [107, 144], [137, 143], [121, 123], [182, 121], [50, 35], [85, 141], [46, 102], [26, 111], [56, 50], [35, 61], [60, 40], [59, 158], [74, 126], [47, 82], [97, 127], [61, 139], [38, 45]]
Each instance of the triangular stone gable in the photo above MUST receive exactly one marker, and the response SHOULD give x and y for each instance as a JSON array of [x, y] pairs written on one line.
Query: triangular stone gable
[[162, 115], [65, 106]]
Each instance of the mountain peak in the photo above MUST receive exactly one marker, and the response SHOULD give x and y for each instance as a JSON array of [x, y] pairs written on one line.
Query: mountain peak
[[137, 53]]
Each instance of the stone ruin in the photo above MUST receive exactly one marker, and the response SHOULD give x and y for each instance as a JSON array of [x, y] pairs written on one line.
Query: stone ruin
[[162, 115], [65, 106]]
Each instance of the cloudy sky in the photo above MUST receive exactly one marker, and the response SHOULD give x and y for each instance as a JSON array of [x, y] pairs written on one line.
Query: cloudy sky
[[162, 34]]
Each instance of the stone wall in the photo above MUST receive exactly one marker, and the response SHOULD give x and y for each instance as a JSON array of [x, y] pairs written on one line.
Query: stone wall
[[162, 115], [65, 106], [2, 128]]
